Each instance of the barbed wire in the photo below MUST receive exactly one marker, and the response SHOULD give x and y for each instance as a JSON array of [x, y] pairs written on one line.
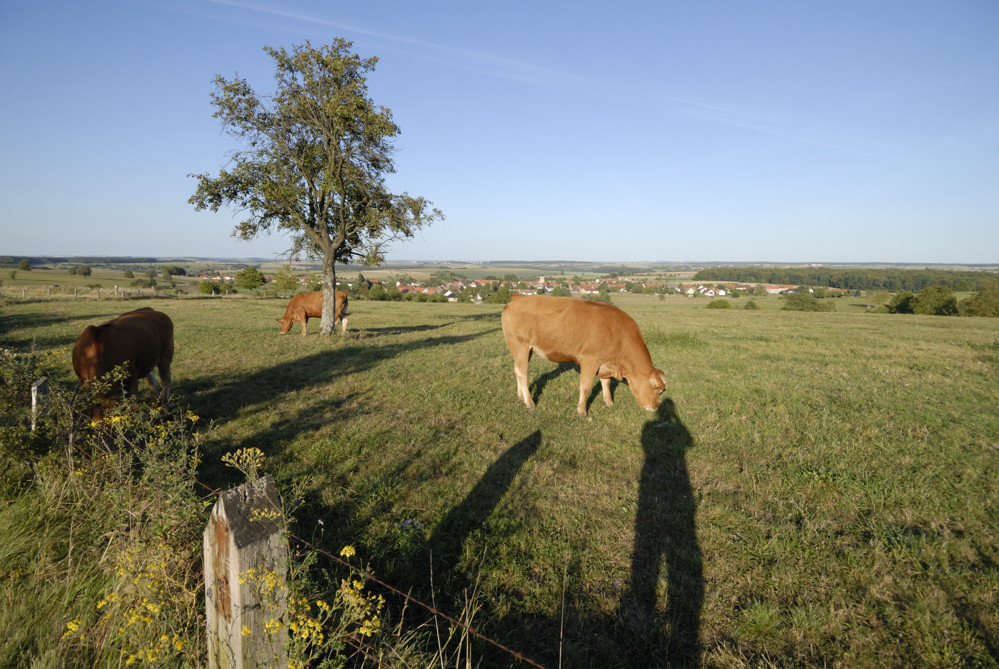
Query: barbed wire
[[517, 655], [358, 645]]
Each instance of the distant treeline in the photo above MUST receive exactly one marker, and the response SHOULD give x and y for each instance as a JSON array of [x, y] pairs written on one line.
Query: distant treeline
[[892, 280], [12, 261]]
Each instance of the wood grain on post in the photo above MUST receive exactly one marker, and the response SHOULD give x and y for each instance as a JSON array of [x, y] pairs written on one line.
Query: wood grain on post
[[246, 568]]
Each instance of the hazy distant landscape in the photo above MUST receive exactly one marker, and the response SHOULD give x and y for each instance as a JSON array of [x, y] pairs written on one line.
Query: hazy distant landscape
[[816, 488]]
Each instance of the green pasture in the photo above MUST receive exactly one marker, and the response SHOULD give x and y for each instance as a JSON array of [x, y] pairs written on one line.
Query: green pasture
[[59, 283], [816, 489]]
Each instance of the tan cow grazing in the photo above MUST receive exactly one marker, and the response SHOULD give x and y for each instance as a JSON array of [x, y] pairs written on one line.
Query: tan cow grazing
[[600, 338], [141, 340], [304, 306]]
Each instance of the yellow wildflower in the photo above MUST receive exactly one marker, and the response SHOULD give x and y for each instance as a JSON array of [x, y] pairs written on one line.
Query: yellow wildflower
[[347, 551], [71, 627]]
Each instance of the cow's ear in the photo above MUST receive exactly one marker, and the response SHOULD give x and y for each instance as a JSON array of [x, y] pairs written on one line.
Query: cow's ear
[[279, 320], [658, 380]]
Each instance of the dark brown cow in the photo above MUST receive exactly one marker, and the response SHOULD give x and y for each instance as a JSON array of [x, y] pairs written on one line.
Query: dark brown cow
[[141, 340], [304, 306], [600, 338]]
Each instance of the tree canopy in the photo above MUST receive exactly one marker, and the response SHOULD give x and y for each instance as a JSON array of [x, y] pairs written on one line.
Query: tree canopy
[[315, 156], [250, 278]]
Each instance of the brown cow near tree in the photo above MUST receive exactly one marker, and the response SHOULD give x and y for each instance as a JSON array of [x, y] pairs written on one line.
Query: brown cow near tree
[[304, 306], [600, 338], [140, 340]]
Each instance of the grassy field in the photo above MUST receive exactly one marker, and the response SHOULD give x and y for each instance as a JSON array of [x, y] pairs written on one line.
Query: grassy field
[[816, 488]]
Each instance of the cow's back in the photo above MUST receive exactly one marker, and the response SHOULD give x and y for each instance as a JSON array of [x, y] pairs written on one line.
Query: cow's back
[[139, 339], [311, 304], [564, 329]]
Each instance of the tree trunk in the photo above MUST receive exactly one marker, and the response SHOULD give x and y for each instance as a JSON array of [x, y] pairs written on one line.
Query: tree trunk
[[328, 320]]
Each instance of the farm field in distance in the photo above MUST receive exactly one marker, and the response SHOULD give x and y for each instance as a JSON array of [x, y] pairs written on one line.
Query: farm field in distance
[[816, 489]]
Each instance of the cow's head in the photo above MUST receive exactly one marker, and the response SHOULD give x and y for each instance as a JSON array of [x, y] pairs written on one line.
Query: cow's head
[[648, 389], [285, 324]]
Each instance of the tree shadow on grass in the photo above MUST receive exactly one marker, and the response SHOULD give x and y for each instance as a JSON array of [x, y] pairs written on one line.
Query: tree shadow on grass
[[222, 399], [24, 342], [665, 537], [451, 320]]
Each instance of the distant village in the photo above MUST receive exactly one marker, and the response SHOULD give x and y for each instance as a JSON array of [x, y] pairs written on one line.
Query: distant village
[[478, 290]]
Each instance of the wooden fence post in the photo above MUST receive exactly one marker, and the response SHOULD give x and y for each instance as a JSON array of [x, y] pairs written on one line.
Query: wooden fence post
[[39, 398], [246, 568]]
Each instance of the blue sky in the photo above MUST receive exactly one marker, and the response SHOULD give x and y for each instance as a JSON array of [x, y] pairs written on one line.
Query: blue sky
[[851, 131]]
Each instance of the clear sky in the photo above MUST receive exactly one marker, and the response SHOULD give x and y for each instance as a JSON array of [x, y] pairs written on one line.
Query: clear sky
[[847, 131]]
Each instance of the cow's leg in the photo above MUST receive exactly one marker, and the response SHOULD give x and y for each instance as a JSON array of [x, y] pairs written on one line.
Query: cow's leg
[[343, 325], [151, 381], [304, 321], [131, 385], [165, 378], [521, 359], [586, 374], [605, 385]]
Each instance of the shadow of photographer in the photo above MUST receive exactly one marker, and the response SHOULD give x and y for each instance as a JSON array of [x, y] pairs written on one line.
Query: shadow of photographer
[[665, 539]]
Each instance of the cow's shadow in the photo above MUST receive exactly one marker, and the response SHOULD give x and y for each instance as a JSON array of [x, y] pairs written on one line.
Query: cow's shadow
[[470, 515], [538, 386]]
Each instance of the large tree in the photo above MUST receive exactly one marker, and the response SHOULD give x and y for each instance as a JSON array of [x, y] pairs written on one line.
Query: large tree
[[314, 161]]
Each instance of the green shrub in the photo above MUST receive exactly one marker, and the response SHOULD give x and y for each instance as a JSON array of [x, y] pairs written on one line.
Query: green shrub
[[751, 306], [719, 304], [984, 303], [250, 278], [599, 297], [125, 587], [901, 303], [207, 287], [935, 301], [806, 302]]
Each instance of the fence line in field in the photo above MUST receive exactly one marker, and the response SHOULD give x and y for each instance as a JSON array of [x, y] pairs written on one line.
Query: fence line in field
[[245, 535], [212, 600]]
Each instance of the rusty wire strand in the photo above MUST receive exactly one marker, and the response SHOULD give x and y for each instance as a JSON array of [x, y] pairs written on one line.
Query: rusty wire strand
[[409, 598]]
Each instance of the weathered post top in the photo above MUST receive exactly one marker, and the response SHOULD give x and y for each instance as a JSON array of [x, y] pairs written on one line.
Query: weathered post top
[[246, 567]]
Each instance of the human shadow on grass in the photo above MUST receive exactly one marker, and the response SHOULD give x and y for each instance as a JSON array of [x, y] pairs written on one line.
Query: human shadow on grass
[[665, 537]]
